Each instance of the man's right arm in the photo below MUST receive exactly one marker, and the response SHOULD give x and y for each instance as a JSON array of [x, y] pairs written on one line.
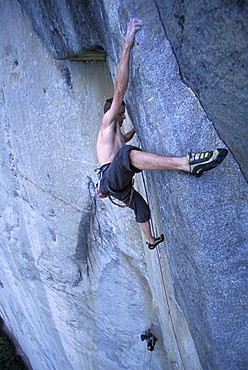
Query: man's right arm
[[121, 81]]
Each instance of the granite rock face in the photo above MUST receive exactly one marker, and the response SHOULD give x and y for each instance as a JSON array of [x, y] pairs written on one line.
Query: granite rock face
[[77, 284], [210, 41]]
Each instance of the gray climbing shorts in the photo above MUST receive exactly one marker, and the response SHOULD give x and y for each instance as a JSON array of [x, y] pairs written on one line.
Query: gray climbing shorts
[[116, 180]]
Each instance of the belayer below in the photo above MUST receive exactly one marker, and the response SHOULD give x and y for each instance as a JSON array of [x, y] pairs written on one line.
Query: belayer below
[[150, 339]]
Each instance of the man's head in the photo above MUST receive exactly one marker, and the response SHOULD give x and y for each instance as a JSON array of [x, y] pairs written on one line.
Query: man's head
[[108, 104], [121, 115]]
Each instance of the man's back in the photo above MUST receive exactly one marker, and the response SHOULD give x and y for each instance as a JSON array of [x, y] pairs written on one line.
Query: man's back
[[110, 140]]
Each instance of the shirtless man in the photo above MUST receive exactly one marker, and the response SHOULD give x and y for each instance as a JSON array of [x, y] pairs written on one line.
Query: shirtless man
[[119, 162]]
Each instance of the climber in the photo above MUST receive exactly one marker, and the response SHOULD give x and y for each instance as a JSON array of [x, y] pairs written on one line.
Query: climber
[[120, 162], [150, 339]]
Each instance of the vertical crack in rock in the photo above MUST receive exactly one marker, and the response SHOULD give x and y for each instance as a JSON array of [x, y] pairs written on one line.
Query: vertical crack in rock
[[205, 219], [82, 254]]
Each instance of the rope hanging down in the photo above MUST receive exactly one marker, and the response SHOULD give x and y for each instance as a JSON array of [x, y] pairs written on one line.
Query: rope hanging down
[[40, 187], [162, 278]]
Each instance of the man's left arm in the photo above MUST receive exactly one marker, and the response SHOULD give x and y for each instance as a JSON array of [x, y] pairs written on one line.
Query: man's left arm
[[129, 135]]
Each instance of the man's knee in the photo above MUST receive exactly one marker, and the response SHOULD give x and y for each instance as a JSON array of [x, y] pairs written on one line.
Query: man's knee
[[134, 157], [133, 153]]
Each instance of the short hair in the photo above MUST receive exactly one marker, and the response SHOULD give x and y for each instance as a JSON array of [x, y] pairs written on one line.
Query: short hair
[[108, 104]]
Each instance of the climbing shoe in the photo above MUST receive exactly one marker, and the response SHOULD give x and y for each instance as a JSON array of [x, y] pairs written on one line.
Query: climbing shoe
[[205, 161], [158, 240]]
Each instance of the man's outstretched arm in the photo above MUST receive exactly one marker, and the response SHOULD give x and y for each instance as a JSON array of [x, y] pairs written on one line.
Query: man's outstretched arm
[[121, 81]]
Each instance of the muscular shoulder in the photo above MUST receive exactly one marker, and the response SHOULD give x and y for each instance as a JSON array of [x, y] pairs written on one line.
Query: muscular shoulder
[[107, 134], [106, 130]]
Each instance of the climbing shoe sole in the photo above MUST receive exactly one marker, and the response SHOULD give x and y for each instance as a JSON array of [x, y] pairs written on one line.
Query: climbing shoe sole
[[158, 240], [205, 161]]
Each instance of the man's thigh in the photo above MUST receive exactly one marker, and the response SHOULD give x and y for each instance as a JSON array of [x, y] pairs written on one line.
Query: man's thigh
[[121, 172]]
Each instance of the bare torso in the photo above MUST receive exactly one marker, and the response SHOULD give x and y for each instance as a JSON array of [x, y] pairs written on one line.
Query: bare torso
[[110, 140]]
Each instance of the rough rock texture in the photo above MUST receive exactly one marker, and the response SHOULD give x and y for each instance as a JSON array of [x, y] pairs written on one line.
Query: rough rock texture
[[77, 285], [210, 40]]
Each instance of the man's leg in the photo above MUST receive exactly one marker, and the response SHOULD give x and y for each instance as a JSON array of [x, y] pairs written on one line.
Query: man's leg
[[149, 161], [193, 163], [142, 216], [145, 226], [151, 241]]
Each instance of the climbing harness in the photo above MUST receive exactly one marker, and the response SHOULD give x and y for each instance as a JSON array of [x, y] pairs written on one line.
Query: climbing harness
[[100, 195]]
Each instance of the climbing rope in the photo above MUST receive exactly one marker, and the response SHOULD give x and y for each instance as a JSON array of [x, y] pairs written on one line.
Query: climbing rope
[[153, 231], [162, 277], [40, 187]]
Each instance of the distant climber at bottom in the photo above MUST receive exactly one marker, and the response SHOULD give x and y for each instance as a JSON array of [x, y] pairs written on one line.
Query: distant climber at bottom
[[120, 162], [150, 339]]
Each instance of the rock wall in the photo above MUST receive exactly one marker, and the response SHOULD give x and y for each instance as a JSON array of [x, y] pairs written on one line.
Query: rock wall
[[78, 285], [210, 41]]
